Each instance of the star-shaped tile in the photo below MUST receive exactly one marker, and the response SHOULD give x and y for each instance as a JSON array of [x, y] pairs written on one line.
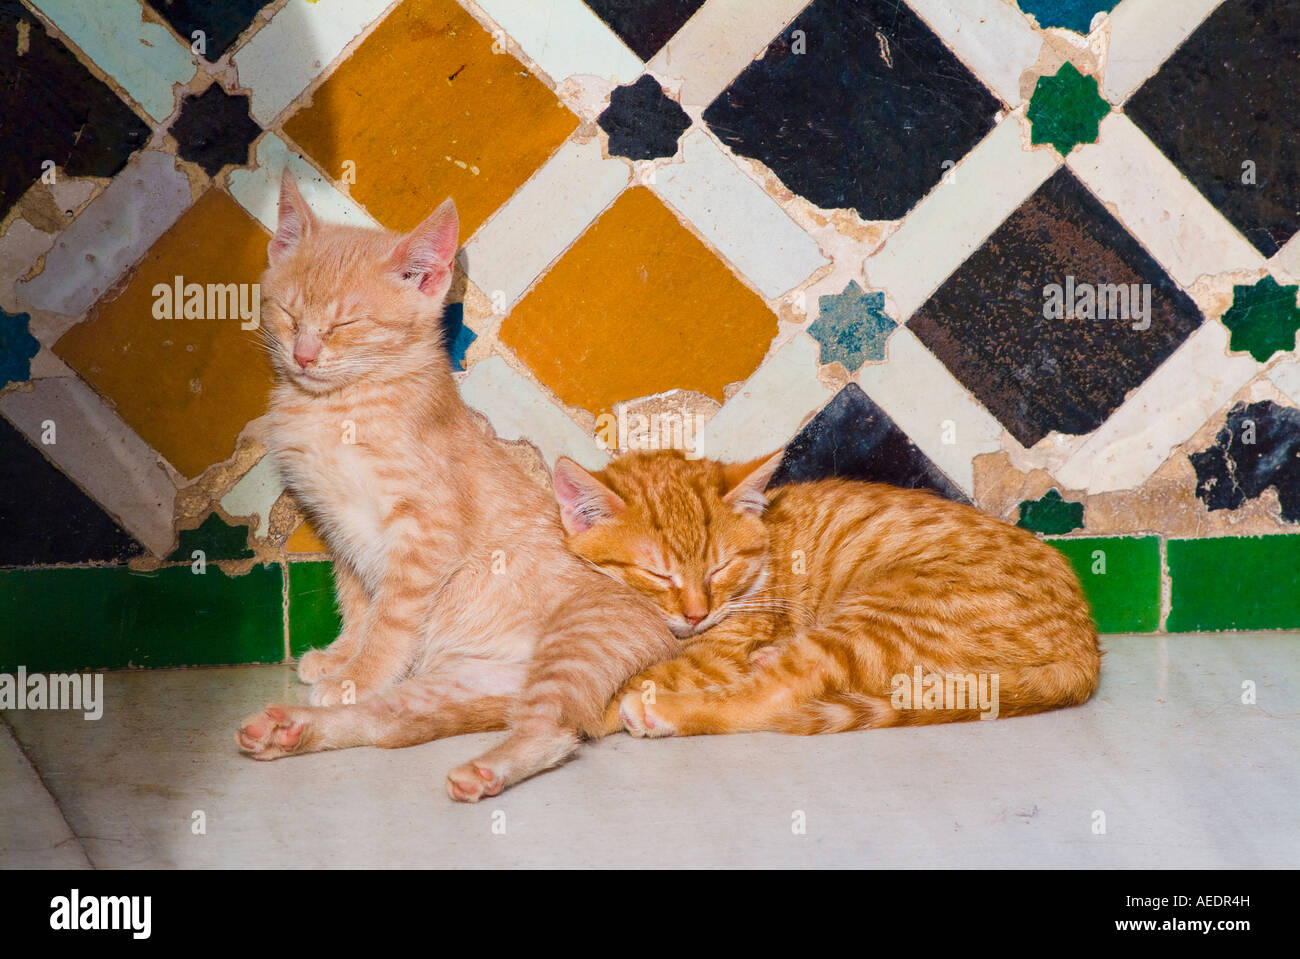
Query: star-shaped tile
[[1263, 318], [1051, 515], [642, 122], [1066, 109], [215, 129], [852, 327], [17, 347]]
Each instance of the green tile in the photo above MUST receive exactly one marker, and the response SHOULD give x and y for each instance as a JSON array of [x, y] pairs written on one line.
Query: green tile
[[217, 538], [1121, 578], [1066, 109], [314, 619], [1263, 318], [1246, 582], [1050, 515], [109, 617]]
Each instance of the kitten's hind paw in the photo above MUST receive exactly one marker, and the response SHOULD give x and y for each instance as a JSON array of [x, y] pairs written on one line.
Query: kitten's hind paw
[[471, 782], [642, 719], [270, 734]]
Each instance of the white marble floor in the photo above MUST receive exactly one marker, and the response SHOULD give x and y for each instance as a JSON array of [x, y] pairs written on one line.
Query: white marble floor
[[1184, 774]]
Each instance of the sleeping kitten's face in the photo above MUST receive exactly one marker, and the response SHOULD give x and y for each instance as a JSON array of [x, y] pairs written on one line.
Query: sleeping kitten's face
[[343, 304], [688, 534]]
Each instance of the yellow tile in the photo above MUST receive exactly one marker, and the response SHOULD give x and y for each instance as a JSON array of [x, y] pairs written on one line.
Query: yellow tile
[[187, 386], [637, 306], [426, 110], [305, 540]]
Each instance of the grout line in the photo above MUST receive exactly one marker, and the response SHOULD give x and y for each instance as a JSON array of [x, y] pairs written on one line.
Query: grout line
[[27, 758], [1166, 587]]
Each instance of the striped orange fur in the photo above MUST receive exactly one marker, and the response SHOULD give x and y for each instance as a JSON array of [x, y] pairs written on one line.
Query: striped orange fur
[[826, 606], [462, 609]]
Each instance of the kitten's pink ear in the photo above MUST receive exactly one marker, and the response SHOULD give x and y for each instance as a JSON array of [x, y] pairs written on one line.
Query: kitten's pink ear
[[584, 500], [747, 481], [424, 256], [294, 220]]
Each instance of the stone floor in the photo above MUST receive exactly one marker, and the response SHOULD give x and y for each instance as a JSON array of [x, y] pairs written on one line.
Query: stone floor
[[1181, 772]]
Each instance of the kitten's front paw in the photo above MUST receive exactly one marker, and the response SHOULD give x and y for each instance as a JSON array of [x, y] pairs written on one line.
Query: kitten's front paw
[[270, 734], [471, 782], [315, 664], [642, 719]]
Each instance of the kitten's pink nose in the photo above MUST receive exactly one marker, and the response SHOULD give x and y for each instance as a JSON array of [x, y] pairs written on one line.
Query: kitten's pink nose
[[693, 620], [305, 353]]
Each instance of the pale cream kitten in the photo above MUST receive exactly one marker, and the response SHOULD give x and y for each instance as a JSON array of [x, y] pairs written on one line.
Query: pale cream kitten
[[462, 609]]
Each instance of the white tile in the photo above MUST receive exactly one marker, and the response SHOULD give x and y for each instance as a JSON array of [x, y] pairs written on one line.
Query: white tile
[[769, 408], [543, 219], [255, 494], [111, 234], [258, 190], [1157, 204], [518, 409], [1287, 259], [930, 406], [946, 227], [1286, 377], [1143, 33], [302, 39], [738, 217], [100, 453], [992, 37], [143, 57], [565, 38], [1174, 402], [717, 43], [20, 248]]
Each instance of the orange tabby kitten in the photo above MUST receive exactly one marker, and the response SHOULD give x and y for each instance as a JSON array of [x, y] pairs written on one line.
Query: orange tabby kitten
[[826, 606], [462, 610]]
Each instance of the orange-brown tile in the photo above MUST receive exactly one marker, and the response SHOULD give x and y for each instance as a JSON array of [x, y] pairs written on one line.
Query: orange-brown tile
[[637, 306], [426, 110], [305, 541], [187, 386]]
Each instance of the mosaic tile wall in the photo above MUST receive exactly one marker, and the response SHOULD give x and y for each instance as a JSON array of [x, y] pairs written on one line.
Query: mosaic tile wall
[[1040, 256]]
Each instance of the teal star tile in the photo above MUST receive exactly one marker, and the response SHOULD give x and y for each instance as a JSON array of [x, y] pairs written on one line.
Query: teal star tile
[[17, 347], [852, 327]]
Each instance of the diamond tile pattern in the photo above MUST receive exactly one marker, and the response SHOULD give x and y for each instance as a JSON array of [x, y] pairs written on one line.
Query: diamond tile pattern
[[187, 386], [645, 25], [52, 108], [1037, 374], [637, 306], [865, 116], [1222, 108], [425, 109], [853, 438], [736, 230]]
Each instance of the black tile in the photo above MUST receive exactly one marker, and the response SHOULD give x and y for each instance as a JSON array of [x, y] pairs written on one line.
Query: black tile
[[1258, 447], [215, 129], [865, 117], [52, 108], [45, 518], [1227, 97], [642, 122], [645, 25], [221, 21], [853, 438], [1037, 374]]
